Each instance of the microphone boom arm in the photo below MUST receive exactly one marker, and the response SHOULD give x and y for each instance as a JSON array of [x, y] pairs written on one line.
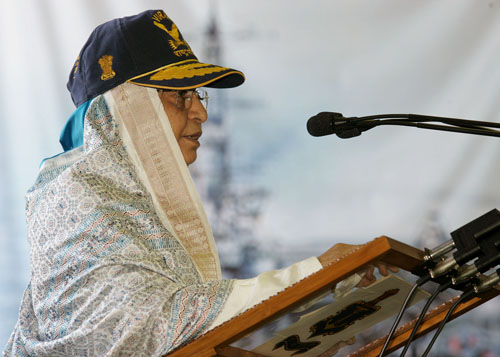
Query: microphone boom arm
[[346, 127], [477, 130]]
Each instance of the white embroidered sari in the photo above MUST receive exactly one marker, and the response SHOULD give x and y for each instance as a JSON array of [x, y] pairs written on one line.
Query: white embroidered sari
[[123, 259]]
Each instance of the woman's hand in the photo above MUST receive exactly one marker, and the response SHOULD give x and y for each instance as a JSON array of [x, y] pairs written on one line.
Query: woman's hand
[[340, 250], [369, 278]]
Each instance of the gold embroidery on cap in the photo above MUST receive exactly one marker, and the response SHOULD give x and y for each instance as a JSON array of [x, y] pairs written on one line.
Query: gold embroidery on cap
[[106, 63], [77, 63], [180, 53], [176, 40], [186, 71], [160, 15], [174, 33]]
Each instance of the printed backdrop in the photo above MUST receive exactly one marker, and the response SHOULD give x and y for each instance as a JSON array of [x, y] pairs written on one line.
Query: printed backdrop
[[300, 58]]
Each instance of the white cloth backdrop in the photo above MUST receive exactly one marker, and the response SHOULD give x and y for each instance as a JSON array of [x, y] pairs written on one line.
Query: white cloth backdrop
[[300, 57]]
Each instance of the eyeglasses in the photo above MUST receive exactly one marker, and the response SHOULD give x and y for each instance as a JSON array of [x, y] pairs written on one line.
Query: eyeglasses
[[184, 98]]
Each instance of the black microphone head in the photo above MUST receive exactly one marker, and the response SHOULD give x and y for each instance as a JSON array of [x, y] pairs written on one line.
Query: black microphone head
[[322, 123]]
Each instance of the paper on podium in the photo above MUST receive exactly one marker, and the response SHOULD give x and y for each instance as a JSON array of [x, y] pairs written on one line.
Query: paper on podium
[[318, 331]]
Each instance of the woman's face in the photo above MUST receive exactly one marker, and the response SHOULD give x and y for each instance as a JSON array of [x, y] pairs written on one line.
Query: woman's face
[[185, 120]]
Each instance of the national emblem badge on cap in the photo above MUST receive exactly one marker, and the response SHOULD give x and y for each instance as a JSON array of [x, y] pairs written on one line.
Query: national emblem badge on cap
[[146, 49]]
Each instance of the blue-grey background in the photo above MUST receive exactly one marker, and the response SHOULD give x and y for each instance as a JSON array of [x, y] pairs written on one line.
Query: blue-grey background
[[300, 57]]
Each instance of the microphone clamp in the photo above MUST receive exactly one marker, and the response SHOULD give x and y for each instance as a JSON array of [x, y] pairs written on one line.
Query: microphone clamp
[[489, 282]]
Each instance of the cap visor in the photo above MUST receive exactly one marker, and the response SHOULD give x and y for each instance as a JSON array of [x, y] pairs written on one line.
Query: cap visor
[[190, 74]]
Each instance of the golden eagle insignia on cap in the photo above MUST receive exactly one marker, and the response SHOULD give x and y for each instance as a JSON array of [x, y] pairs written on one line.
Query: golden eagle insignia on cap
[[174, 33], [106, 63]]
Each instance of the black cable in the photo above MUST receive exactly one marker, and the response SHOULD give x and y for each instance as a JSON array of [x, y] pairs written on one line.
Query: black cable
[[469, 130], [453, 121], [439, 290], [418, 118], [418, 283], [462, 297]]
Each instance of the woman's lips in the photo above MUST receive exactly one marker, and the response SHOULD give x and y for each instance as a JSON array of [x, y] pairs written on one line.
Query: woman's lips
[[194, 137]]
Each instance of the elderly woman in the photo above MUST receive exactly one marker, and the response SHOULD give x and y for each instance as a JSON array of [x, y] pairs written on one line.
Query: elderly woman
[[123, 261]]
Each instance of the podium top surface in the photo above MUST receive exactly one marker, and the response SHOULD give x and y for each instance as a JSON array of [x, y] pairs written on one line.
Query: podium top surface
[[382, 249]]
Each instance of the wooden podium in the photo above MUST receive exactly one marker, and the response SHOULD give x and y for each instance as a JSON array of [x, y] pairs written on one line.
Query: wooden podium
[[217, 341]]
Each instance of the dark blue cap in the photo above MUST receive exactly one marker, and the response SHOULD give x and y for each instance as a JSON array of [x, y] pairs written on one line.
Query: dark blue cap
[[146, 49]]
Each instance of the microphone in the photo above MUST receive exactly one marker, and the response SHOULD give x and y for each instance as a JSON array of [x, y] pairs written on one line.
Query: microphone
[[327, 123]]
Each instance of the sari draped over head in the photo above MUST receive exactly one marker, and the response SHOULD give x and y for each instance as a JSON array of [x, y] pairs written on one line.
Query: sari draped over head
[[123, 259]]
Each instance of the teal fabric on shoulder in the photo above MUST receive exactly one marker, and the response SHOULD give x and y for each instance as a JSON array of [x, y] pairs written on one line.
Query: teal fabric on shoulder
[[72, 133], [108, 277]]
